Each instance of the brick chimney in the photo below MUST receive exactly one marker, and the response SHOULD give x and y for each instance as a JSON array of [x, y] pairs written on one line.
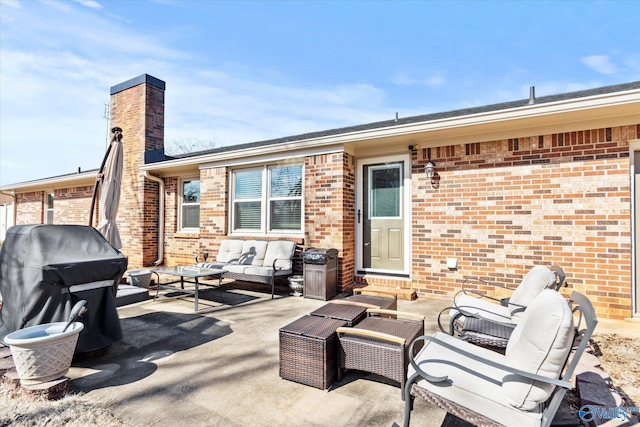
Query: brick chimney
[[137, 106]]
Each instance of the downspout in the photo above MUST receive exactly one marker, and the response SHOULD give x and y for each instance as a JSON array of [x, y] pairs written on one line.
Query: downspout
[[160, 216], [15, 204], [635, 310]]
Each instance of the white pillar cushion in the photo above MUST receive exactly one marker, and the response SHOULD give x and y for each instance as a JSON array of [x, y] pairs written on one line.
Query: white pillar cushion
[[539, 344]]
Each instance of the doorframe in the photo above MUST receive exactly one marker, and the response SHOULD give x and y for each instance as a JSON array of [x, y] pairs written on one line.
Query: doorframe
[[634, 146], [406, 209]]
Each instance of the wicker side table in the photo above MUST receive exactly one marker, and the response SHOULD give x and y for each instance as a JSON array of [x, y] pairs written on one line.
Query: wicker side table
[[309, 351], [350, 312], [380, 345]]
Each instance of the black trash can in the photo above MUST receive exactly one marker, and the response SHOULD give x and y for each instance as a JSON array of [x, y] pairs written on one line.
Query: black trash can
[[46, 269], [320, 273]]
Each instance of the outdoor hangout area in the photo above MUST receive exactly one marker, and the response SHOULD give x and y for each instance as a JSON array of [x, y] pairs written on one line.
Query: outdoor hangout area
[[251, 354]]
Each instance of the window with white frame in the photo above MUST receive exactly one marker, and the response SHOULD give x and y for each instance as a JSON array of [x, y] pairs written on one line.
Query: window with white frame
[[190, 204], [267, 199], [49, 210]]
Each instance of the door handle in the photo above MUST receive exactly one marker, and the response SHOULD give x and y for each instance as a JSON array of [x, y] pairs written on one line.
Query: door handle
[[358, 216]]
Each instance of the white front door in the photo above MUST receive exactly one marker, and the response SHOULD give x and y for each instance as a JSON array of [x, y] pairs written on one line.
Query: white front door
[[383, 216]]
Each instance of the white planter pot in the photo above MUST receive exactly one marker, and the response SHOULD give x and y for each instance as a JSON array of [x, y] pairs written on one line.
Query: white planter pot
[[296, 283], [43, 353], [140, 278]]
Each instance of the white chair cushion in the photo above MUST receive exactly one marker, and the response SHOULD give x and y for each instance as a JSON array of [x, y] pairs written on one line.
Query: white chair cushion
[[253, 252], [535, 281], [282, 250], [539, 344], [230, 250], [470, 383]]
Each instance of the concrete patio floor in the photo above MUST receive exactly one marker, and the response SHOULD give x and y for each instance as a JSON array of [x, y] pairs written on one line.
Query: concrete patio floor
[[220, 366]]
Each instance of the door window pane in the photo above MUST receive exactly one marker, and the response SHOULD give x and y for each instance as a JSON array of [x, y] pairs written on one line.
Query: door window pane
[[385, 191]]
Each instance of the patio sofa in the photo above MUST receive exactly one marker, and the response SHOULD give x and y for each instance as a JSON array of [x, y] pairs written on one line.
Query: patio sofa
[[260, 261]]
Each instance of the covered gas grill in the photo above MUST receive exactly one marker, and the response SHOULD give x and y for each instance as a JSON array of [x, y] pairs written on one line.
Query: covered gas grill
[[46, 269]]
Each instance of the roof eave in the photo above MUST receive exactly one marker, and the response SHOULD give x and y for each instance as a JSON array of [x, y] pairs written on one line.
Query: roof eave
[[624, 104]]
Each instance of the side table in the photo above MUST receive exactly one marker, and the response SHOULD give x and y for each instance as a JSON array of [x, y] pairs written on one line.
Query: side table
[[350, 312], [309, 351], [380, 345]]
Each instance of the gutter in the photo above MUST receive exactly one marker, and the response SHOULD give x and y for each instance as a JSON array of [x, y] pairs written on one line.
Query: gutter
[[160, 216], [15, 204]]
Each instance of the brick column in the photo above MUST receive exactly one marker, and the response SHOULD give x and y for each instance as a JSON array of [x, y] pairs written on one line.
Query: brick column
[[329, 210], [137, 106]]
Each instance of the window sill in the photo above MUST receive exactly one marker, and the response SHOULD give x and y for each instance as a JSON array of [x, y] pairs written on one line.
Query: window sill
[[267, 235], [187, 234]]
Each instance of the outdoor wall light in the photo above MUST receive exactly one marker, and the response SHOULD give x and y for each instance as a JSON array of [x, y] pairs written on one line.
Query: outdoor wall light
[[432, 175], [430, 169]]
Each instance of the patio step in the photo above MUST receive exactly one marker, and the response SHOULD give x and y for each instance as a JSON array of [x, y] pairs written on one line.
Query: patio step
[[128, 294], [400, 293]]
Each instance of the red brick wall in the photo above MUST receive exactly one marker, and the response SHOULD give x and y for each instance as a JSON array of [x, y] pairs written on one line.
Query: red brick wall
[[30, 207], [503, 206], [71, 205], [180, 247], [329, 209]]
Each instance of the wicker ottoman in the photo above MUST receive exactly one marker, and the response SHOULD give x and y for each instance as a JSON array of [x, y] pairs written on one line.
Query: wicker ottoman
[[380, 345], [385, 303], [352, 313], [309, 351]]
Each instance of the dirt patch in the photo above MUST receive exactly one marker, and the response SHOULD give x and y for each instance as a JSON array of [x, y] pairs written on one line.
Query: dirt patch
[[620, 358], [72, 410]]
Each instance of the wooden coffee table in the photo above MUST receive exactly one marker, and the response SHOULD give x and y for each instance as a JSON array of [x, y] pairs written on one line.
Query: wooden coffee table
[[191, 272]]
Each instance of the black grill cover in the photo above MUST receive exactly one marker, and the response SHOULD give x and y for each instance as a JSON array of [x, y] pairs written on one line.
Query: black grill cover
[[46, 269], [319, 256]]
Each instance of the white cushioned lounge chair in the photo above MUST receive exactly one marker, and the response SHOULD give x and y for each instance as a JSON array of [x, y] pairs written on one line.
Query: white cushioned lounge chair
[[486, 320], [523, 387]]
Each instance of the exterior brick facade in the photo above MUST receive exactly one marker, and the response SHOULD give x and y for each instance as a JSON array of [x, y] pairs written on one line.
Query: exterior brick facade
[[501, 210], [499, 206], [30, 207]]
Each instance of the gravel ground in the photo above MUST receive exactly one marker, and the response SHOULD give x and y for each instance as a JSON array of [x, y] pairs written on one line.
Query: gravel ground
[[620, 358]]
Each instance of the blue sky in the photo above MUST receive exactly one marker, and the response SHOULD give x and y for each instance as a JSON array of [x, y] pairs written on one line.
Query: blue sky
[[243, 71]]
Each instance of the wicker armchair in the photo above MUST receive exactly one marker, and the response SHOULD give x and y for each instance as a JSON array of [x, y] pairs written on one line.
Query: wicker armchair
[[379, 344], [523, 387], [489, 321]]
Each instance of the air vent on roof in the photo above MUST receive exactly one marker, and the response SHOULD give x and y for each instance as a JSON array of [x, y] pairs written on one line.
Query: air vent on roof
[[532, 95]]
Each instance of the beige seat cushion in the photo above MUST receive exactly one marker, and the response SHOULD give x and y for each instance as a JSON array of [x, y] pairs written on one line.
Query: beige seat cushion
[[283, 251], [481, 307], [253, 252], [230, 251], [539, 344]]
